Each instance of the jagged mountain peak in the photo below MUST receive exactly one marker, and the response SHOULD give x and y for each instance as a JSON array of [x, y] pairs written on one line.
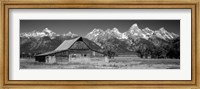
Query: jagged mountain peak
[[107, 34], [134, 28], [174, 35], [95, 33], [70, 34], [47, 30], [36, 34], [134, 25], [97, 30], [133, 33], [148, 30], [116, 33], [114, 30], [162, 29], [164, 34]]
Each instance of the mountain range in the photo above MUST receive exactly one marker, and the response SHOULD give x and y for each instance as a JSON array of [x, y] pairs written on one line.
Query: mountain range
[[130, 41], [134, 32], [45, 32]]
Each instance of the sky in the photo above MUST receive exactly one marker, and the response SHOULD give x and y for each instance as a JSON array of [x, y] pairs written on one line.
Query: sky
[[82, 27]]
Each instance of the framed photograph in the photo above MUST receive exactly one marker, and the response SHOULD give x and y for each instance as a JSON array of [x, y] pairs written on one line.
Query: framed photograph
[[100, 44]]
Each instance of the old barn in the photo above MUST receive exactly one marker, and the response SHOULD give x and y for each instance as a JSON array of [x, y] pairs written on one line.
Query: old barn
[[78, 49]]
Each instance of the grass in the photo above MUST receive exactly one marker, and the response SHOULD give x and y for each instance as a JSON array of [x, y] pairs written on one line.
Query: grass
[[97, 63]]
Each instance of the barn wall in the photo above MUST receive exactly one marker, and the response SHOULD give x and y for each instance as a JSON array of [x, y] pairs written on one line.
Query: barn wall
[[62, 54], [96, 54], [81, 59], [50, 59], [46, 59]]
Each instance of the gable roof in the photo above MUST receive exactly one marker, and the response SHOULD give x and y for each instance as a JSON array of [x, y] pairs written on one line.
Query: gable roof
[[47, 53], [67, 44]]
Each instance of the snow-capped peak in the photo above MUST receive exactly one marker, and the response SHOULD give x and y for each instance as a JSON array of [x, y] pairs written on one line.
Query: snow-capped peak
[[70, 34], [147, 32], [115, 30], [134, 28], [134, 25], [164, 34], [109, 33], [47, 30], [135, 32], [146, 29], [162, 29], [96, 31], [174, 35], [34, 33]]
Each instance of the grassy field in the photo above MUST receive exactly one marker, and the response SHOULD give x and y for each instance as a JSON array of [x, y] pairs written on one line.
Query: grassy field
[[96, 63]]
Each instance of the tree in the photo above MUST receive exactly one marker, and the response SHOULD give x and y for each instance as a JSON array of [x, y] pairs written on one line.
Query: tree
[[109, 50], [174, 50]]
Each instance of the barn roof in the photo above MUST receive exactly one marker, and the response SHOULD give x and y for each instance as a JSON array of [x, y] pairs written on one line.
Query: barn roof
[[67, 44], [47, 53]]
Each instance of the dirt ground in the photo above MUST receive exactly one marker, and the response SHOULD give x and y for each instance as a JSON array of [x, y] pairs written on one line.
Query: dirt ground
[[97, 63]]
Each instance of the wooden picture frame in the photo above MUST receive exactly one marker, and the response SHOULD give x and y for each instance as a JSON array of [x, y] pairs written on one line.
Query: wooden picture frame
[[5, 83]]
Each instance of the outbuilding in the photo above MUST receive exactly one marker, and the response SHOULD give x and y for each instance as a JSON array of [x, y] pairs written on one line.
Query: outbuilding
[[78, 49]]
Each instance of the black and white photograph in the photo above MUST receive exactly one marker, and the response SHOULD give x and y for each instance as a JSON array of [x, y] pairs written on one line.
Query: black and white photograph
[[99, 44]]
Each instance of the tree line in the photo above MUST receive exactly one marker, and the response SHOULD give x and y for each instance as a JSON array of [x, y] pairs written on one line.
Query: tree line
[[146, 49], [170, 50]]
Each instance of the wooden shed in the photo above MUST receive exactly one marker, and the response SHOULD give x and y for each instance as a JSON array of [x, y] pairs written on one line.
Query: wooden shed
[[48, 57], [78, 49]]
